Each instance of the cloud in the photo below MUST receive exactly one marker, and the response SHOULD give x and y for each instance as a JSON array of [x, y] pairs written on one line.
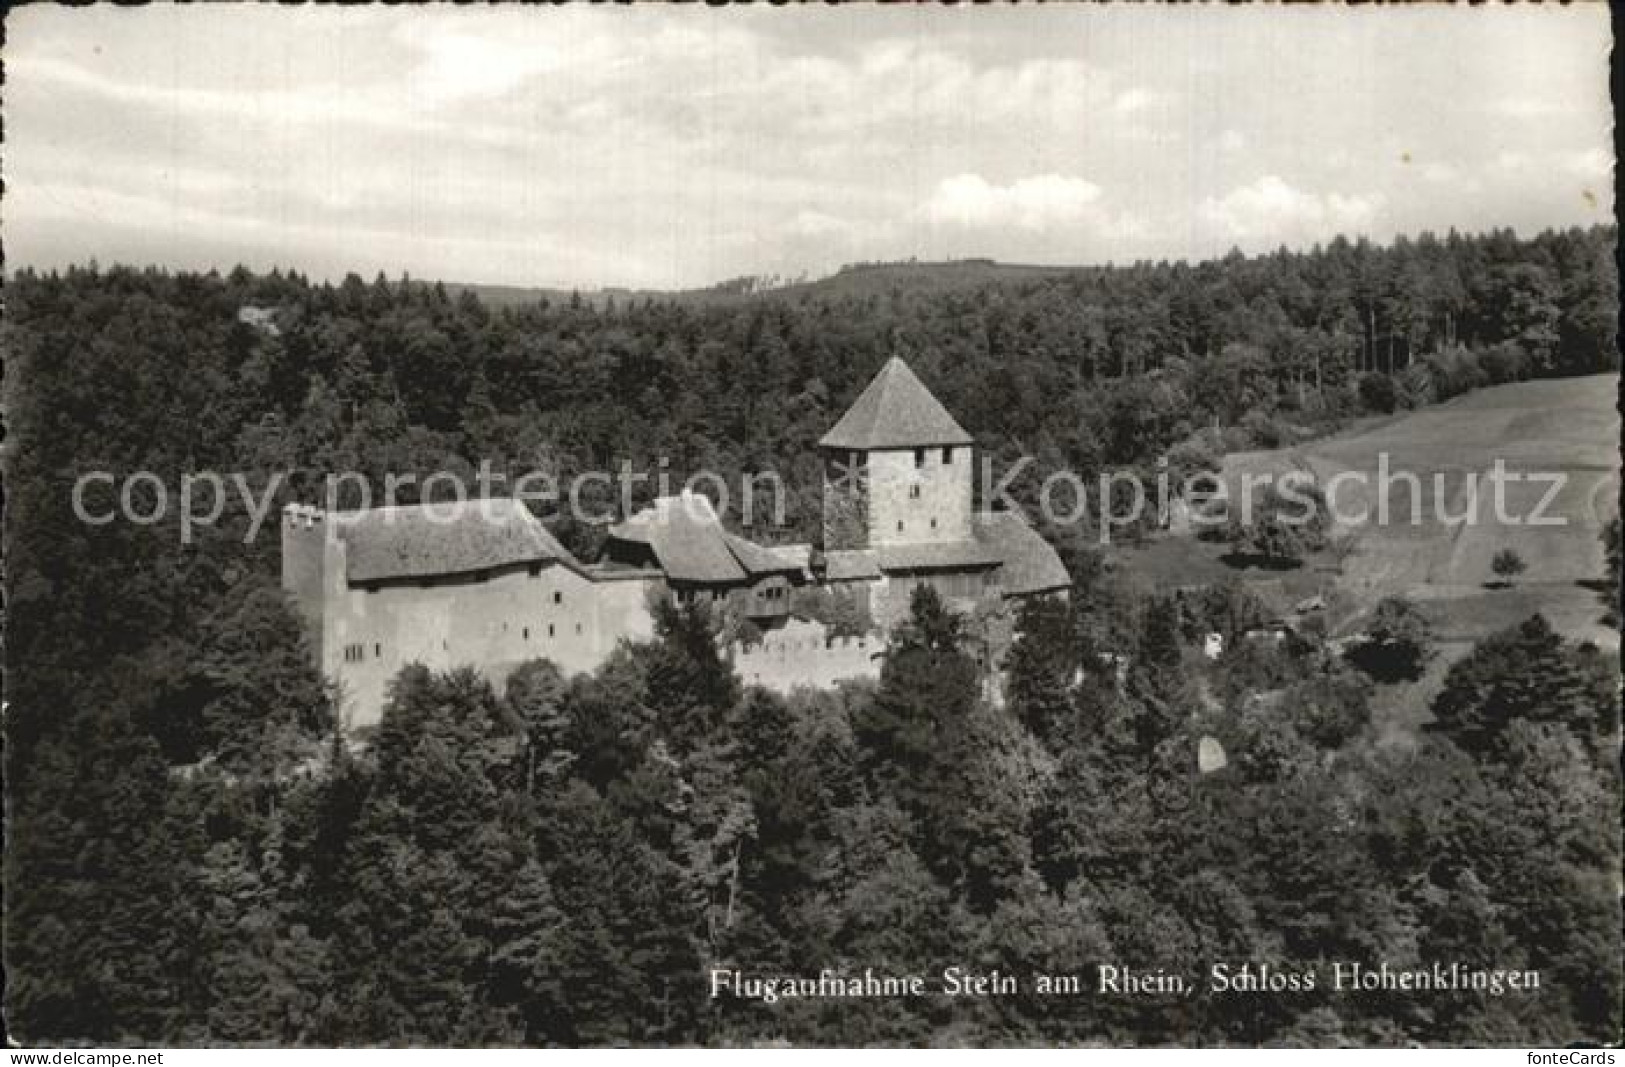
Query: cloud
[[1034, 203], [1271, 211], [268, 107], [460, 66], [1133, 101], [645, 146], [1592, 163], [818, 224]]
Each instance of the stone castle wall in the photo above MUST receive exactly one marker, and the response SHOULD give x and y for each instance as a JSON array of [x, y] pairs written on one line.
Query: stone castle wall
[[363, 637], [911, 505], [802, 655]]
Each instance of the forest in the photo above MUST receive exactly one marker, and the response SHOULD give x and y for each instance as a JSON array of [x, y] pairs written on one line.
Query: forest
[[194, 855]]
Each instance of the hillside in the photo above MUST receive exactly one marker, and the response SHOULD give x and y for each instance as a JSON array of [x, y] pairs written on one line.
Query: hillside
[[1566, 428], [506, 296], [857, 280], [863, 280]]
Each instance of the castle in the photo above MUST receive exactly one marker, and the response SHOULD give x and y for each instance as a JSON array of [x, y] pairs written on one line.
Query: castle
[[483, 583]]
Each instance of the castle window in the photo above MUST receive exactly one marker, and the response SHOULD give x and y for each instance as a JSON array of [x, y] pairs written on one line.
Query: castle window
[[527, 633], [899, 525], [578, 627], [919, 457], [558, 598], [377, 650], [914, 492], [535, 569], [933, 524], [550, 629], [947, 457]]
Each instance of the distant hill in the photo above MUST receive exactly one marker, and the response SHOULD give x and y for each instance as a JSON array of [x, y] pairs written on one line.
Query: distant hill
[[870, 279], [500, 296], [859, 279]]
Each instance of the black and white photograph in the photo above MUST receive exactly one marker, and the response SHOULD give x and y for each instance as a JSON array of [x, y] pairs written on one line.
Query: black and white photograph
[[865, 525]]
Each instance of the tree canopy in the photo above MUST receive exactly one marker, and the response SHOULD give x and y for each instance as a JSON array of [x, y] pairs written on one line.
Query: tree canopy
[[196, 854]]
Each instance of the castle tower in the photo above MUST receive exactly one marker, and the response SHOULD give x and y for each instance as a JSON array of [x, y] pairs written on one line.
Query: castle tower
[[897, 469]]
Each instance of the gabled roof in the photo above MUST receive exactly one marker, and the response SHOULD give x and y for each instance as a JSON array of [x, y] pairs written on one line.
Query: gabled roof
[[453, 537], [1028, 563], [850, 564], [796, 556], [895, 411], [759, 559], [688, 539]]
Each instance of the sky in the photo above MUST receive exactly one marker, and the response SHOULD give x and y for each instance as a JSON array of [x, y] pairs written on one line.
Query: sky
[[663, 147]]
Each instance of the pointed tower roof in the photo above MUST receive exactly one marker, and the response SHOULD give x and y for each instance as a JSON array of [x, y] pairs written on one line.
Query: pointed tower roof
[[895, 411]]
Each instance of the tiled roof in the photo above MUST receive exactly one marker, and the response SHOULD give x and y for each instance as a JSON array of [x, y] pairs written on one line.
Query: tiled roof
[[440, 539], [688, 539], [797, 557], [895, 411], [1028, 563], [758, 559], [939, 555], [850, 565]]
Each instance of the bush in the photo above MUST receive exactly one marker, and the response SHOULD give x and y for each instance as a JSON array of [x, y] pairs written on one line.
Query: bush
[[1505, 362], [1418, 384], [1398, 642], [1286, 524], [1264, 429], [1328, 710], [1378, 393]]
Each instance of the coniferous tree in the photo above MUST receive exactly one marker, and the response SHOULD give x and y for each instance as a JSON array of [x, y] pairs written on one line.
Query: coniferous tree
[[1041, 668], [1526, 672]]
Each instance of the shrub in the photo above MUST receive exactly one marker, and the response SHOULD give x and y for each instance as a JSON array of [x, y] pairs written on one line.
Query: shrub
[[1398, 642], [1378, 393]]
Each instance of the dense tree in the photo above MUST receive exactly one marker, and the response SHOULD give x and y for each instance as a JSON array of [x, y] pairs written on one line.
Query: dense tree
[[535, 698], [688, 683], [195, 854], [1396, 644], [1041, 668], [927, 684], [1528, 673], [1284, 523]]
